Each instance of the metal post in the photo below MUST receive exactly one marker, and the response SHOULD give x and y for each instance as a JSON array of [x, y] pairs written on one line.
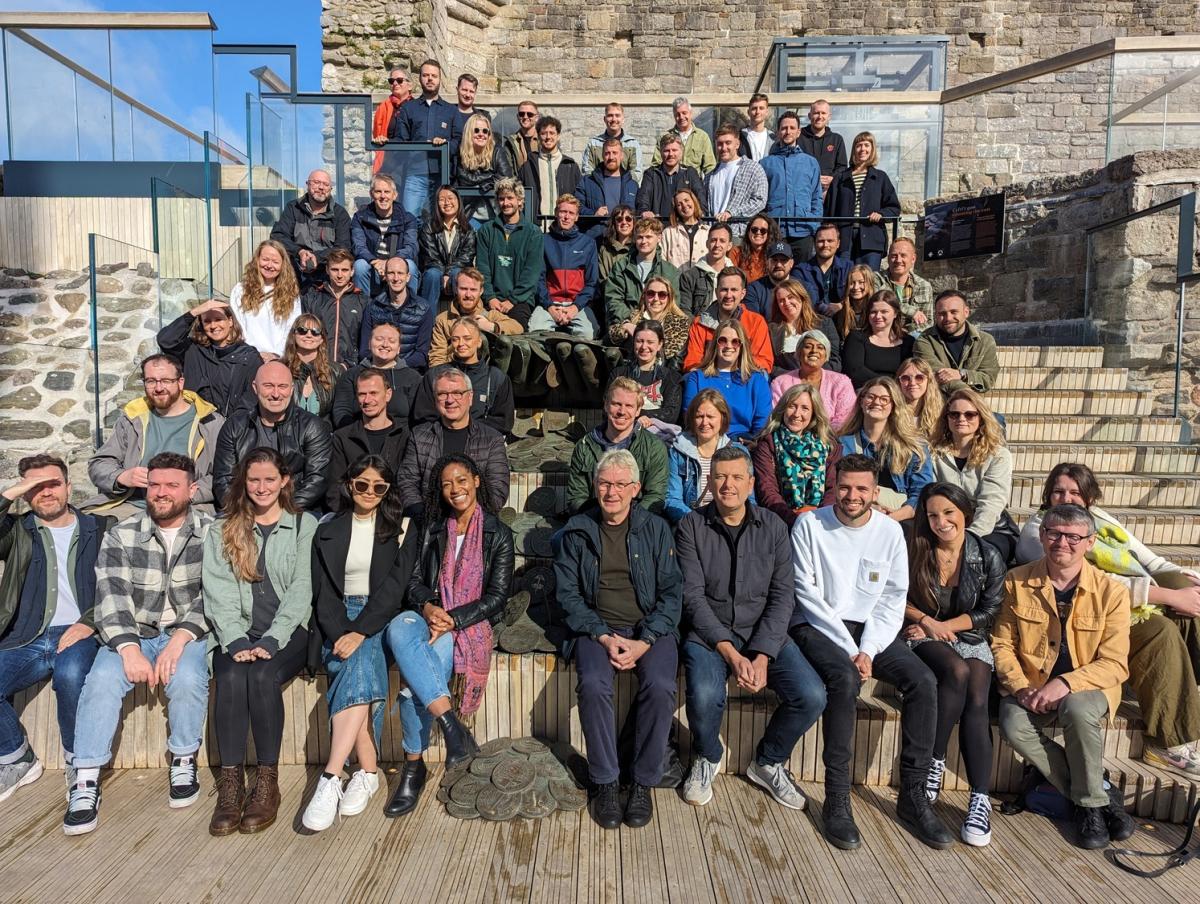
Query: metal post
[[95, 331], [1179, 348], [208, 211]]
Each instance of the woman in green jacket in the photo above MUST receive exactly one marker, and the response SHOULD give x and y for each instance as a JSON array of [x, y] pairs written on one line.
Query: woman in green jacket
[[258, 600]]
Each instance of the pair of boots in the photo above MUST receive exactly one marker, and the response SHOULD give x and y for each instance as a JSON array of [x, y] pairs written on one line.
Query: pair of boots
[[579, 369], [238, 811], [460, 747], [913, 810]]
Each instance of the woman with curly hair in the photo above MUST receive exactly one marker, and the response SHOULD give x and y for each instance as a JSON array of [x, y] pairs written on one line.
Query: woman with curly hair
[[267, 300], [307, 357], [921, 393], [658, 303]]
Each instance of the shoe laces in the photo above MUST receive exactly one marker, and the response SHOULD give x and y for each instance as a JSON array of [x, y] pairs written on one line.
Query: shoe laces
[[261, 790], [837, 803], [704, 771], [229, 783], [358, 782], [609, 794], [979, 811], [84, 796], [937, 769], [328, 787], [183, 771], [1093, 820]]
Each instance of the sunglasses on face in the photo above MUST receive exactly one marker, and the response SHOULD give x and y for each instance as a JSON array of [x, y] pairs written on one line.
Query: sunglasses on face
[[526, 115], [365, 487], [481, 131], [397, 81], [758, 230], [624, 219], [307, 330], [655, 293], [963, 415], [726, 342]]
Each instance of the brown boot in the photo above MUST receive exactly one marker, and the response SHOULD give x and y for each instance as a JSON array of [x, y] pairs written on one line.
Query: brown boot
[[263, 802], [231, 795]]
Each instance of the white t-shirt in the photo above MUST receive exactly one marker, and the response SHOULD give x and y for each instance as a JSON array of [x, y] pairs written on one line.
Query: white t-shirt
[[760, 143], [721, 186], [66, 607], [358, 557], [261, 329], [170, 536]]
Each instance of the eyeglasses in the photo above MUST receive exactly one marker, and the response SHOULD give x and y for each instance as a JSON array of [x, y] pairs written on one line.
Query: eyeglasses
[[1072, 540], [307, 331], [625, 218], [397, 81], [758, 230], [726, 342], [655, 293], [451, 394], [525, 115], [619, 485], [876, 400], [481, 131], [914, 378], [365, 487], [963, 415], [150, 382]]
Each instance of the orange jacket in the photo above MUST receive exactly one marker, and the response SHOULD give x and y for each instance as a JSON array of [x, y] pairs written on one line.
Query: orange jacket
[[704, 325], [379, 125]]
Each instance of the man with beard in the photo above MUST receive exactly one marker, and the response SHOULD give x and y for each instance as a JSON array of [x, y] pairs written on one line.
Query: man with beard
[[468, 303], [731, 295], [168, 418], [311, 226], [150, 618], [46, 598]]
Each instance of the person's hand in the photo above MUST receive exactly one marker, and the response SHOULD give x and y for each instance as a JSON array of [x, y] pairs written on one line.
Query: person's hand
[[937, 630], [920, 319], [268, 357], [1185, 601], [862, 662], [874, 216], [25, 485], [570, 312], [617, 648], [741, 667], [627, 328], [636, 650], [437, 617], [138, 669], [881, 508], [168, 659], [484, 324], [500, 304], [259, 653], [897, 515], [646, 421], [134, 478], [1049, 696], [204, 307], [379, 139], [308, 260], [722, 216], [913, 632], [344, 646], [1024, 696], [826, 181], [445, 282], [648, 214], [243, 656], [945, 374], [759, 668], [602, 212], [380, 265], [73, 635], [437, 142], [832, 307]]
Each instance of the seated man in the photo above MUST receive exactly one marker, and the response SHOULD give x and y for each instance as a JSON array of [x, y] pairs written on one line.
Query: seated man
[[311, 226], [731, 292], [619, 586], [339, 303], [454, 431], [1061, 665], [961, 354], [738, 597], [373, 432], [168, 418], [383, 356], [607, 186], [697, 147], [623, 288], [47, 626], [824, 276], [698, 283], [547, 174], [468, 302], [508, 252], [380, 231], [303, 439], [760, 294], [620, 429], [656, 194], [738, 186], [915, 294], [569, 277], [492, 392], [851, 583], [150, 617], [400, 306]]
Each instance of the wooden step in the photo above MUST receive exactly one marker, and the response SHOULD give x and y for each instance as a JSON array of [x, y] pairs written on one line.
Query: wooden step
[[1111, 458], [1186, 556], [1082, 356], [1035, 428], [1120, 490], [1070, 402], [1054, 378], [1154, 527]]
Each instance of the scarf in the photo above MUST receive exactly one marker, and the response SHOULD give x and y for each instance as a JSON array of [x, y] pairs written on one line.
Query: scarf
[[461, 583], [800, 462], [1112, 555]]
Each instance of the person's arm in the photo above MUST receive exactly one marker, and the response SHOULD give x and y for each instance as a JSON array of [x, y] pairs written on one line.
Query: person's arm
[[176, 337], [991, 591], [887, 616], [766, 481], [225, 460], [831, 460], [296, 601], [915, 477], [358, 241], [1005, 636], [1110, 668], [835, 344], [439, 343], [995, 489], [529, 271], [579, 479], [339, 463], [672, 396], [816, 198], [409, 476], [770, 634], [696, 606], [501, 409], [284, 230], [484, 261], [808, 583], [760, 348], [755, 199], [420, 589], [889, 201], [418, 356], [317, 450], [496, 472], [222, 596], [982, 369], [760, 400], [341, 233], [675, 507], [663, 619], [698, 337], [697, 183], [591, 276], [343, 408], [1029, 546], [645, 196], [464, 254], [107, 464], [654, 475], [408, 236], [497, 584]]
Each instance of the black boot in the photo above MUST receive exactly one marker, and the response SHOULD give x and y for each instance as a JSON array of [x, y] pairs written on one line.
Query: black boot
[[408, 792], [837, 821], [460, 746], [1120, 824], [915, 814], [1091, 828], [640, 807], [607, 806]]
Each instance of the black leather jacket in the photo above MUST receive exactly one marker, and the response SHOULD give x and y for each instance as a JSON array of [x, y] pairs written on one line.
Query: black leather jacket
[[980, 590], [432, 253], [497, 568], [304, 440]]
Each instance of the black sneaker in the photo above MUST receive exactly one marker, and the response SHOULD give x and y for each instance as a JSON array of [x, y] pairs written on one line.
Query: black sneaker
[[1120, 823], [1091, 828], [185, 782], [83, 809], [640, 807], [607, 806]]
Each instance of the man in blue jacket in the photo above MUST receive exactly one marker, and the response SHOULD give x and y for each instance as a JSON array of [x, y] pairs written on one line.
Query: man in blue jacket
[[793, 187], [408, 311], [425, 118], [379, 231], [606, 187], [568, 281], [621, 591], [824, 276]]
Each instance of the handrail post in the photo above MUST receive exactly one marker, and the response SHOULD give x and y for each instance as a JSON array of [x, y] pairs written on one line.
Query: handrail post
[[93, 328], [1184, 255]]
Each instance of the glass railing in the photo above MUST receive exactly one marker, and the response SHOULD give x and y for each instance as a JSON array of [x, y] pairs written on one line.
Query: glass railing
[[1153, 102]]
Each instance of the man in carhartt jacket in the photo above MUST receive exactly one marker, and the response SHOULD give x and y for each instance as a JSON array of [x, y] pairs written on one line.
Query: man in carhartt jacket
[[960, 353]]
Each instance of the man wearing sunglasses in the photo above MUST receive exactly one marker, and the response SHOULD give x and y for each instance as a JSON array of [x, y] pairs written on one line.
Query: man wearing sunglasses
[[1061, 644], [523, 143], [400, 90], [961, 354]]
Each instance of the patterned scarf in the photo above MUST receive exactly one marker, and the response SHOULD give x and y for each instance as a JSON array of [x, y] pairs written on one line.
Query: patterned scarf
[[460, 583], [800, 461]]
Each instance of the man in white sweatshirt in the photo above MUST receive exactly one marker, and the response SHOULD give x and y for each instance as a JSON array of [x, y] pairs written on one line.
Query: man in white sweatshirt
[[851, 582]]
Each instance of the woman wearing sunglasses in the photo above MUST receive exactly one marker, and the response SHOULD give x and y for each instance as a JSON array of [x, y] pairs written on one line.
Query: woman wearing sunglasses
[[482, 162], [313, 375], [658, 303], [728, 368], [457, 592], [751, 255], [616, 243], [362, 562]]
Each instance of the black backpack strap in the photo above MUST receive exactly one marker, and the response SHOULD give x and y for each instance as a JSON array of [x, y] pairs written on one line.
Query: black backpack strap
[[1177, 857]]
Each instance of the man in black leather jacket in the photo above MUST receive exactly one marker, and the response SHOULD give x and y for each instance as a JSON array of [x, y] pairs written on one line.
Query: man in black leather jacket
[[303, 439]]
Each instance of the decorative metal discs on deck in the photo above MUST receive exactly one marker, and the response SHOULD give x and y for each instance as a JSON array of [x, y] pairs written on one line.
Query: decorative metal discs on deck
[[514, 779]]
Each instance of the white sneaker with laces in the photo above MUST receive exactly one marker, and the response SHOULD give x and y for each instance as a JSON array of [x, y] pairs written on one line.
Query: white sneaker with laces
[[933, 781], [778, 782], [977, 826], [322, 810], [358, 792], [697, 789]]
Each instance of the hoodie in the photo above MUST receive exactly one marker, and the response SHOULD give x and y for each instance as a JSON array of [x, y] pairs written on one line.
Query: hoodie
[[572, 269]]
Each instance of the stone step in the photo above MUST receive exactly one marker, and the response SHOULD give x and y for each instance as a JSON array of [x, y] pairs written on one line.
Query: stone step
[[1071, 402], [1083, 356], [1135, 491], [1052, 378], [1187, 556], [1153, 526], [1092, 428], [1109, 458]]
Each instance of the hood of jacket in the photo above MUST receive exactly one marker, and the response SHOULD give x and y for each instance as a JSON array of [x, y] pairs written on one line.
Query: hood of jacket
[[139, 408], [685, 444]]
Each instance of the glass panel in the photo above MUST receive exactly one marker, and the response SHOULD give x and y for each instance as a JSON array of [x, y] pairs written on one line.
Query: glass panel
[[1155, 99], [832, 64], [238, 77]]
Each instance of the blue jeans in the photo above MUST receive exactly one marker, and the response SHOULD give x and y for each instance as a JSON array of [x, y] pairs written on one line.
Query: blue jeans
[[417, 192], [582, 325], [426, 669], [106, 687], [431, 283], [795, 682], [370, 283], [35, 661]]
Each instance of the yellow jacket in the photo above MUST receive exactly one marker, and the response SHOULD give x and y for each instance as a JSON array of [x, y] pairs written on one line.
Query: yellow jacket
[[1026, 638]]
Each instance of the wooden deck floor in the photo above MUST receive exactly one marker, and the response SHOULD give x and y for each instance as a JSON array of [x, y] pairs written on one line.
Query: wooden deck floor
[[741, 847]]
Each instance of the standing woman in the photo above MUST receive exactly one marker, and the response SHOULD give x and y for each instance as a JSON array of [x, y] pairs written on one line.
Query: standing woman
[[969, 453], [860, 285], [362, 562], [863, 191], [751, 255], [728, 368], [313, 375], [924, 399], [955, 586], [879, 346], [662, 385], [445, 245], [258, 600], [658, 303], [482, 162], [795, 456], [685, 241], [267, 300], [457, 592], [218, 365], [794, 316]]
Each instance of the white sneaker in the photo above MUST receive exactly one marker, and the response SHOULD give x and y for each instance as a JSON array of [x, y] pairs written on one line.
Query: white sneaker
[[17, 775], [778, 782], [933, 781], [697, 789], [322, 810], [977, 827], [358, 792]]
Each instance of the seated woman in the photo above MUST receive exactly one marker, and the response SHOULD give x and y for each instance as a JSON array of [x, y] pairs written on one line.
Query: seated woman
[[916, 379], [969, 452], [362, 562], [482, 162], [860, 285], [879, 345], [658, 303], [794, 316], [258, 602], [955, 586], [445, 245], [457, 592], [492, 393], [267, 300], [705, 430], [728, 368], [795, 455], [881, 428], [837, 395], [1164, 634], [307, 357], [685, 241], [218, 365], [751, 255], [662, 385], [616, 242]]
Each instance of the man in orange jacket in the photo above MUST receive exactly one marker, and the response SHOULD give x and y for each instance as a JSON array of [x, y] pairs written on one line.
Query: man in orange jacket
[[731, 292]]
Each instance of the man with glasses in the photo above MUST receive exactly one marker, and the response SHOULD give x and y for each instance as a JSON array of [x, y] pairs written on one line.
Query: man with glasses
[[429, 119], [311, 226], [614, 129], [961, 354], [731, 293], [607, 185], [523, 143], [620, 589], [168, 418], [1061, 644]]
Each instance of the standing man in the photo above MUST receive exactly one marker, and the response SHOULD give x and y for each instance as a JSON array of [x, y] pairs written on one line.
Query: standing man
[[430, 119], [620, 589], [697, 148], [614, 127], [661, 181], [756, 138], [409, 312], [509, 254], [523, 143], [607, 186], [339, 304], [824, 275], [793, 187], [851, 583], [312, 226], [825, 146], [381, 230], [915, 293], [961, 354], [738, 186], [466, 87], [548, 174]]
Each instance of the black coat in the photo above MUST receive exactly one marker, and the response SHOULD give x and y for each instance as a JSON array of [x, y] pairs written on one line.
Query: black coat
[[484, 180], [785, 361], [979, 592], [492, 402], [657, 191], [431, 253], [342, 322], [498, 559], [344, 410], [298, 227], [221, 376], [303, 439], [350, 444], [671, 388], [567, 177], [878, 196], [829, 150]]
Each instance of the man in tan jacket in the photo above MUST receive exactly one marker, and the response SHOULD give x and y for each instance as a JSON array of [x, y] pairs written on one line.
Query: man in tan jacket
[[1061, 644], [468, 302]]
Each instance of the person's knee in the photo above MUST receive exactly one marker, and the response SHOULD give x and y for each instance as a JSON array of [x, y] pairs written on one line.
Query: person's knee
[[405, 630], [70, 672], [1078, 710], [918, 684], [842, 684], [956, 675]]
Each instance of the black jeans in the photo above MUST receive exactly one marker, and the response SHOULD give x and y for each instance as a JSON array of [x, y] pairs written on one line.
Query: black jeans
[[897, 665], [250, 697]]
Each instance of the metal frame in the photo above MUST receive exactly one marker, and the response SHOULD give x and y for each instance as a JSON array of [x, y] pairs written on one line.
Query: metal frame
[[783, 49]]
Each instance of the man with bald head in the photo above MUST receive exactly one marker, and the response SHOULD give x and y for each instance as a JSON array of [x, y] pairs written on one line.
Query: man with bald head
[[304, 440], [312, 226]]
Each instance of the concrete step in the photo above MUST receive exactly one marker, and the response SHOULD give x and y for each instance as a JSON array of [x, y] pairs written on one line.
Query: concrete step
[[1083, 356], [1187, 556], [1135, 491], [1153, 526], [1051, 378], [1071, 402], [1091, 428], [1112, 458]]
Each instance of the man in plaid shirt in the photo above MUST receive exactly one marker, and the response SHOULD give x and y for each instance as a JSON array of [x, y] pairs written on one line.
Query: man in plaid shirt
[[149, 614]]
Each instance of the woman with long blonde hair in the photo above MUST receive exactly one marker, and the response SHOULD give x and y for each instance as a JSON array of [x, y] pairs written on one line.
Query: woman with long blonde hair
[[921, 393], [267, 300], [728, 368], [307, 357], [795, 455], [482, 162], [860, 285], [795, 316]]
